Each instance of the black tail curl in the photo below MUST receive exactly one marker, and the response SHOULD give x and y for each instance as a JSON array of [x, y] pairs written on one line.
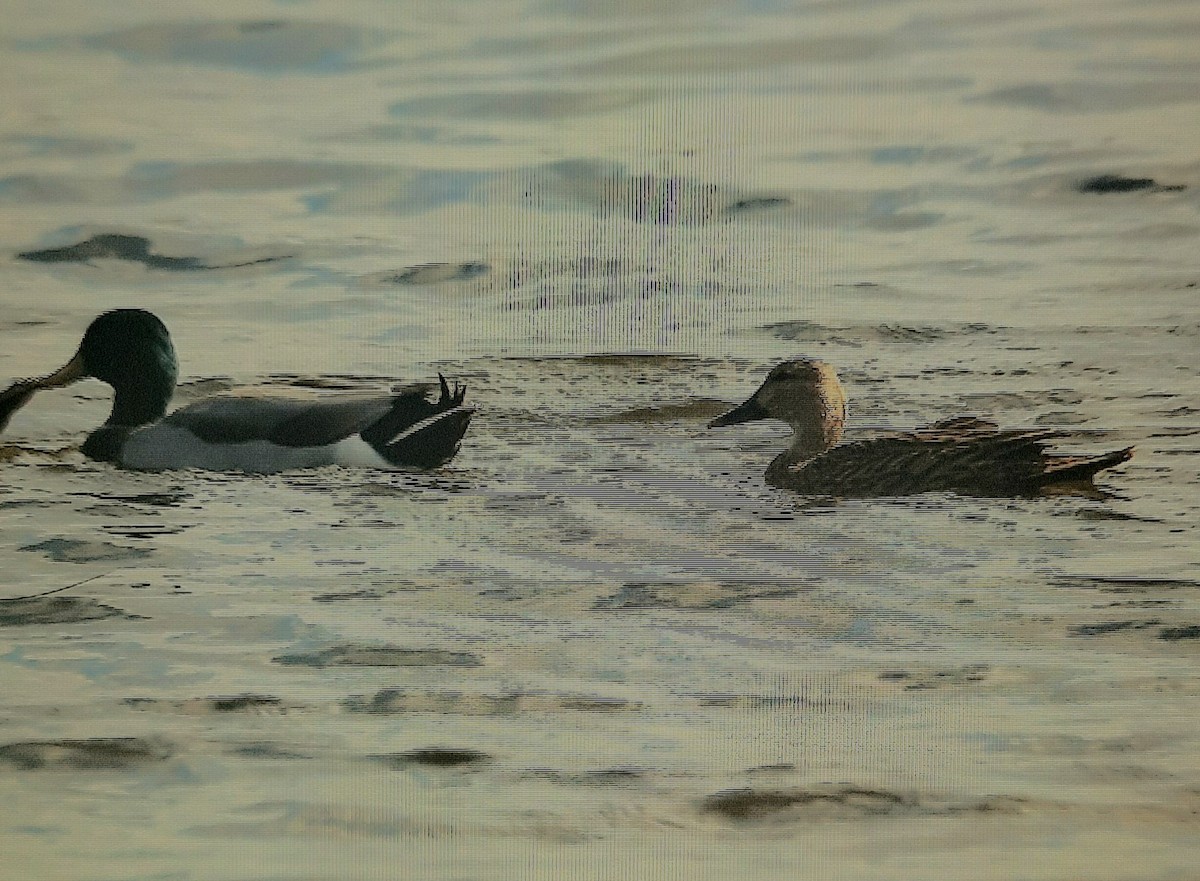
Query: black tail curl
[[419, 433], [448, 399]]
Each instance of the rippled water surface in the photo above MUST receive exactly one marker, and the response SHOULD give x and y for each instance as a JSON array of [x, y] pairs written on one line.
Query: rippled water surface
[[596, 645]]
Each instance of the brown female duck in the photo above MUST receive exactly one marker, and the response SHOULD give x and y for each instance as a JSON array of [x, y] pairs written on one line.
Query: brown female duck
[[967, 456]]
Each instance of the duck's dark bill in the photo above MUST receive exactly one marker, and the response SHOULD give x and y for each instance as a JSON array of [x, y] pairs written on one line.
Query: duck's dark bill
[[18, 394], [14, 398], [747, 412]]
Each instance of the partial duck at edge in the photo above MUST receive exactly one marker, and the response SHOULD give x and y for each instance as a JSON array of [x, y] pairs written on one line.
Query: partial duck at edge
[[131, 350], [966, 456]]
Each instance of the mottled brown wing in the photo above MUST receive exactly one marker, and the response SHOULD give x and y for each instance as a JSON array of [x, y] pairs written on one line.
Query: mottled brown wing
[[995, 463]]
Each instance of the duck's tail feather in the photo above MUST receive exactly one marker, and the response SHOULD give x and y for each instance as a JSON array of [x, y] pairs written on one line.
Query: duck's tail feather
[[1081, 469], [429, 443], [417, 433]]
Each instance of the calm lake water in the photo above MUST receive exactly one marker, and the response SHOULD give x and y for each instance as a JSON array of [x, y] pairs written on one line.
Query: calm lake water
[[596, 645]]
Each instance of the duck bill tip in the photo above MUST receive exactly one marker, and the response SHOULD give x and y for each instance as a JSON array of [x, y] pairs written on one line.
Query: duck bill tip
[[72, 371], [749, 411], [18, 394]]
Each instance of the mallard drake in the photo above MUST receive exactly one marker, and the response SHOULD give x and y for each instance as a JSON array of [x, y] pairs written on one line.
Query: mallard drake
[[966, 455], [131, 350]]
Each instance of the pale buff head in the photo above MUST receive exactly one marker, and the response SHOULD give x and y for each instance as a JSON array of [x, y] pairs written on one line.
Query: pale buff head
[[804, 393]]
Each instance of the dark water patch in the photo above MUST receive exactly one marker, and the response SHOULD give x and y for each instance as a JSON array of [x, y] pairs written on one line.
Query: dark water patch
[[1061, 417], [142, 531], [758, 203], [267, 750], [802, 700], [773, 768], [112, 246], [974, 267], [595, 704], [992, 402], [1100, 514], [756, 804], [433, 273], [263, 45], [631, 359], [54, 610], [947, 371], [136, 249], [662, 200], [92, 754], [1172, 634], [418, 133], [844, 803], [615, 776], [903, 221], [536, 105], [26, 188], [328, 183], [1154, 233], [1149, 332], [612, 776], [435, 757], [289, 820], [730, 56], [902, 154], [64, 147], [694, 408], [365, 593], [1183, 410], [900, 333], [1072, 745], [240, 703], [694, 595], [12, 504], [173, 499], [659, 200], [352, 655], [1001, 804], [596, 279], [345, 382], [1105, 627], [389, 701], [1115, 183], [1136, 604], [1091, 96], [520, 273], [202, 706], [808, 331], [71, 550], [925, 680], [1125, 584]]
